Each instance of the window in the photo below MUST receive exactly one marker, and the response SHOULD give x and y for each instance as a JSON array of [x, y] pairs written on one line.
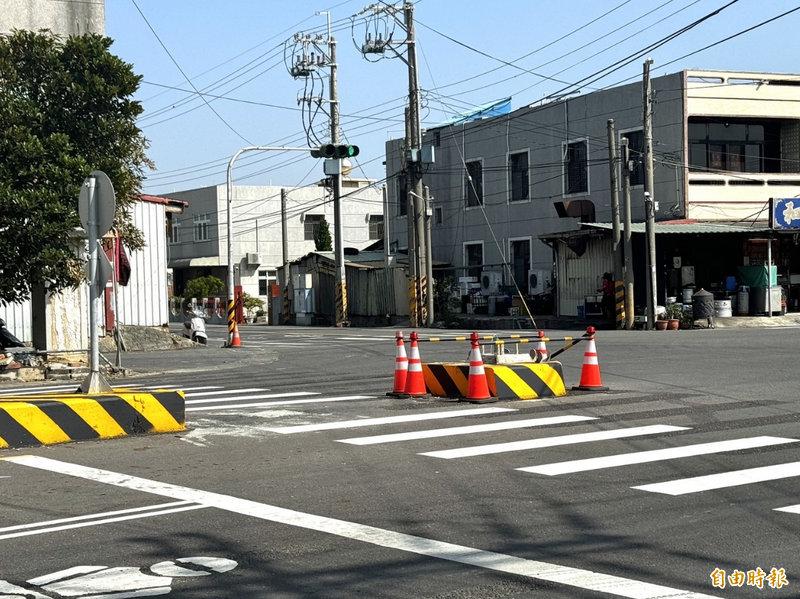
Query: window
[[734, 145], [636, 156], [576, 175], [311, 226], [402, 195], [519, 189], [473, 256], [375, 226], [473, 183], [521, 262], [438, 219], [175, 231], [201, 222], [265, 279]]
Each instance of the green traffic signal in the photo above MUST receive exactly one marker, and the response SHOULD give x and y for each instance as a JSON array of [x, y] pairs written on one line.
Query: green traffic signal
[[334, 151]]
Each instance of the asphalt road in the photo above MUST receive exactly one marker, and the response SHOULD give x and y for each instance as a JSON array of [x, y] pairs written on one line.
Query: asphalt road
[[300, 478]]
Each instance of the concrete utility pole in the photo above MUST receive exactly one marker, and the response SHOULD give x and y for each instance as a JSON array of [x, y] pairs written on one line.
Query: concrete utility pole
[[285, 244], [617, 248], [650, 203], [414, 146], [628, 244], [336, 179]]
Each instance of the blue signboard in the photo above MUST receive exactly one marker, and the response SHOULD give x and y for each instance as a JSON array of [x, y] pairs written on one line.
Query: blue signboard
[[785, 213]]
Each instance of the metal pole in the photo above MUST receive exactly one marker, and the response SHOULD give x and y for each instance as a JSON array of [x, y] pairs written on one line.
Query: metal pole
[[426, 193], [94, 383], [115, 279], [285, 244], [769, 277], [617, 247], [230, 226], [628, 243], [649, 199]]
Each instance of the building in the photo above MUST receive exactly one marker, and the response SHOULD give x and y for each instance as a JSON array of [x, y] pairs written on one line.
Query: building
[[526, 195], [65, 17], [198, 244]]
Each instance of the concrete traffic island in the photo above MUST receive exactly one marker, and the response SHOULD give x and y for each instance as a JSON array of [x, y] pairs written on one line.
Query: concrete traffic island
[[49, 419]]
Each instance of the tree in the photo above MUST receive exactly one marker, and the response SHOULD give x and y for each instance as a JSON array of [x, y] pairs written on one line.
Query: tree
[[251, 304], [65, 110], [203, 287], [322, 240]]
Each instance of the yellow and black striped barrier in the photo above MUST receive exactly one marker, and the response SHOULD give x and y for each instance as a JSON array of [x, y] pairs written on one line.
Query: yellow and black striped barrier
[[60, 418], [511, 381]]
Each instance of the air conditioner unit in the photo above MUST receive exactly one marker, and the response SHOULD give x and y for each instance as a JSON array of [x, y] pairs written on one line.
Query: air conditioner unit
[[536, 282], [490, 282], [253, 259]]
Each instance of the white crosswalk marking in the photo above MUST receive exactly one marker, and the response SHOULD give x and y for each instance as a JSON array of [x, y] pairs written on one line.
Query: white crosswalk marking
[[269, 404], [637, 431], [724, 479], [465, 430], [792, 509], [326, 426], [243, 397], [225, 392], [642, 457], [40, 391]]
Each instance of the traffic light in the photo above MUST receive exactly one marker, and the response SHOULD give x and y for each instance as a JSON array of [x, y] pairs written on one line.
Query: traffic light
[[334, 151]]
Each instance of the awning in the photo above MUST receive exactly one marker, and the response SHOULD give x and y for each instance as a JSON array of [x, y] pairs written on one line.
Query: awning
[[688, 227], [188, 262]]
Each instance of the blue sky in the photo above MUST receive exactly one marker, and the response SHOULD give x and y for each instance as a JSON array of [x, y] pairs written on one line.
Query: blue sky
[[470, 53]]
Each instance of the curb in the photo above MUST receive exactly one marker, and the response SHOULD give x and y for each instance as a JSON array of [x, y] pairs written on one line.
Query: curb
[[512, 381], [31, 420]]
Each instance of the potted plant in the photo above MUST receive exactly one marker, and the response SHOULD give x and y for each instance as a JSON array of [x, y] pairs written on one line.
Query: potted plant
[[687, 319], [673, 315], [661, 321]]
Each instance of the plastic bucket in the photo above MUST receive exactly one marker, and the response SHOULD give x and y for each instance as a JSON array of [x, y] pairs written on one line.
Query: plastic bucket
[[687, 295], [722, 308]]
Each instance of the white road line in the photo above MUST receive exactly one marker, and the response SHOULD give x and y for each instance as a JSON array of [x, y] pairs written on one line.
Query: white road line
[[470, 556], [327, 426], [180, 388], [41, 531], [268, 404], [146, 508], [42, 391], [223, 392], [642, 457], [722, 480], [792, 509], [465, 430], [620, 433], [241, 397]]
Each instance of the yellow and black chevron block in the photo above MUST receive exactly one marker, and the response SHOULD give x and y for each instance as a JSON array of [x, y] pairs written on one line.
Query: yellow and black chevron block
[[61, 418], [619, 304], [512, 381]]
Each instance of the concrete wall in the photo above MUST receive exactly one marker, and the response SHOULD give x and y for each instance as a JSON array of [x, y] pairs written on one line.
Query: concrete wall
[[65, 17]]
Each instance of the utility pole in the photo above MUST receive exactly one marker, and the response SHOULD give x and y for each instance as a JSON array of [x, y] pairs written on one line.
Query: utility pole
[[628, 243], [617, 248], [420, 297], [426, 192], [650, 203], [285, 244]]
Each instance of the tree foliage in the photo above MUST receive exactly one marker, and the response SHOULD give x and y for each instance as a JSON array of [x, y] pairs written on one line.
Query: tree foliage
[[65, 110], [203, 287], [322, 240]]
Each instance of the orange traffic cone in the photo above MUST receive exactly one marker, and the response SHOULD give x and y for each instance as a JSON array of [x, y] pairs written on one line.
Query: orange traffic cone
[[400, 367], [415, 380], [590, 373], [541, 349], [477, 386], [236, 340]]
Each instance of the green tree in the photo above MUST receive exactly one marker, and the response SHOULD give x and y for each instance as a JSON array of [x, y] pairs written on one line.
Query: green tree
[[251, 304], [203, 287], [65, 110], [322, 240]]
